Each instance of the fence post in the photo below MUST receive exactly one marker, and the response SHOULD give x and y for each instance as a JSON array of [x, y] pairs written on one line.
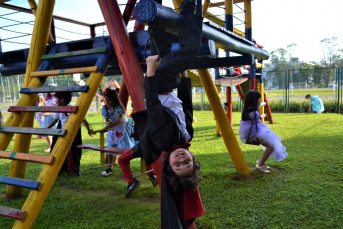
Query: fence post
[[338, 76], [286, 82]]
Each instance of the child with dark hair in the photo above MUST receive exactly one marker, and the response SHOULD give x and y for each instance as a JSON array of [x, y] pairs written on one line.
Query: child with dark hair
[[72, 162], [48, 116], [253, 131], [114, 114], [316, 104]]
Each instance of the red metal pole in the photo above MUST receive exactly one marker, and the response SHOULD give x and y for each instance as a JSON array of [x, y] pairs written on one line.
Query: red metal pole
[[125, 52], [128, 61], [92, 29], [229, 104], [240, 92], [52, 29], [268, 111]]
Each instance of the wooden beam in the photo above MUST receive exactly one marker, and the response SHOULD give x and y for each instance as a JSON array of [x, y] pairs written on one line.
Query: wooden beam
[[13, 213], [75, 53], [35, 131], [55, 109], [30, 90], [20, 182], [27, 157], [92, 69]]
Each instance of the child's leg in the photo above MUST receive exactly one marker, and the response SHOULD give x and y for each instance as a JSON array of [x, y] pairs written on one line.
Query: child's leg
[[266, 153], [124, 163], [110, 159]]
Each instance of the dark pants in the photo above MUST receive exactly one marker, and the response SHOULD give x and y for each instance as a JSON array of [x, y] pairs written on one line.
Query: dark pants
[[175, 62]]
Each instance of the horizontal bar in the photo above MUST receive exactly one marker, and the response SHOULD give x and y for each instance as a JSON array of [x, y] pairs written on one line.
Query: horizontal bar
[[20, 182], [55, 109], [138, 175], [13, 213], [99, 166], [105, 149], [29, 90], [65, 71], [35, 131], [74, 53], [27, 157]]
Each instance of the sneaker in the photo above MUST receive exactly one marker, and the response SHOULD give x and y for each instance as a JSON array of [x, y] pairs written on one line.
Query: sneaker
[[47, 150], [153, 180], [264, 164], [262, 168], [132, 187], [76, 174], [106, 172]]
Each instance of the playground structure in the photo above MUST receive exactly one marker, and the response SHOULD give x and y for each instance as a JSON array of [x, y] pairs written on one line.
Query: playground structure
[[119, 53]]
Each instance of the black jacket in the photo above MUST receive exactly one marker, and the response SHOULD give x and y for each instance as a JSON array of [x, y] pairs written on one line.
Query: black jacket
[[158, 128]]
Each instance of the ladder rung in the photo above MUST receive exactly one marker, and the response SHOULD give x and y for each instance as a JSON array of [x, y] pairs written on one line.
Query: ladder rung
[[105, 149], [27, 157], [28, 90], [55, 109], [74, 53], [65, 71], [13, 213], [20, 182], [36, 131]]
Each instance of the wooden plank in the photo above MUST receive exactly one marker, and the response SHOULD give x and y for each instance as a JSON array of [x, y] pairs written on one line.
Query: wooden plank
[[20, 182], [29, 90], [103, 149], [75, 53], [92, 69], [35, 131], [27, 157], [55, 109], [13, 213]]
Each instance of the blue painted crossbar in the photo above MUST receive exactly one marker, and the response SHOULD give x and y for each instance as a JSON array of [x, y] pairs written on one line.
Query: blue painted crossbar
[[54, 89], [20, 182]]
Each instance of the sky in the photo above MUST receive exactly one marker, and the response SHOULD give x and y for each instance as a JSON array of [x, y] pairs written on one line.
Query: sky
[[275, 23]]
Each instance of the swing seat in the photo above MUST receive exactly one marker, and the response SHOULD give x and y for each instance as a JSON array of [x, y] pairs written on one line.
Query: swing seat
[[253, 142]]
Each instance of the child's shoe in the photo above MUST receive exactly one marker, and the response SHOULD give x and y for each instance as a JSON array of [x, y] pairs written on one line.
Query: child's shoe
[[265, 164], [153, 180], [106, 172], [263, 168], [132, 187]]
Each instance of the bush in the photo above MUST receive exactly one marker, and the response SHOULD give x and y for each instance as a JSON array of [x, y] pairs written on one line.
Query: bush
[[294, 106]]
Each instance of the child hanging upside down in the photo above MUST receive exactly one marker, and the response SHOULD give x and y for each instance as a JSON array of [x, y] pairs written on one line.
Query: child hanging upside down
[[166, 125]]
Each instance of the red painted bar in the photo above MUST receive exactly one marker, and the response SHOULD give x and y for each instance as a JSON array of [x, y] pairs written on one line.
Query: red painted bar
[[240, 92], [55, 109], [13, 213], [267, 109], [92, 30], [127, 59], [229, 104]]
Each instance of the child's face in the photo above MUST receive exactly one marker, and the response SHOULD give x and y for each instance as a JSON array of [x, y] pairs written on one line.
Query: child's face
[[60, 102], [109, 102], [258, 103], [181, 162]]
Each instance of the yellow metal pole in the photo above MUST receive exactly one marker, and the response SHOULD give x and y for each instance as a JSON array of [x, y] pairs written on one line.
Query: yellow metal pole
[[218, 133], [102, 144], [47, 177], [261, 90], [37, 49], [33, 6], [205, 7], [225, 127]]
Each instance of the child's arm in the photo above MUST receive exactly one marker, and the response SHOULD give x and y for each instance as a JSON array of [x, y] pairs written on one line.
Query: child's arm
[[53, 122], [86, 124], [152, 63], [113, 124]]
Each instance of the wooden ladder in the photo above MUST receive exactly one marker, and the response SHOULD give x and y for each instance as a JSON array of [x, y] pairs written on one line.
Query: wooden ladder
[[52, 163]]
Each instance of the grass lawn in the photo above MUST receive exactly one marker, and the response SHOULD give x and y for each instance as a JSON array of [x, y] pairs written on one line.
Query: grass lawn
[[303, 191]]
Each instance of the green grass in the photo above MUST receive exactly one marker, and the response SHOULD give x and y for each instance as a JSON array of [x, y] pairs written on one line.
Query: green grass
[[303, 191]]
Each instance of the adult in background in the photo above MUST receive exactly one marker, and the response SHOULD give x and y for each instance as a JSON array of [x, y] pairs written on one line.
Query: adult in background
[[316, 104], [48, 117]]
